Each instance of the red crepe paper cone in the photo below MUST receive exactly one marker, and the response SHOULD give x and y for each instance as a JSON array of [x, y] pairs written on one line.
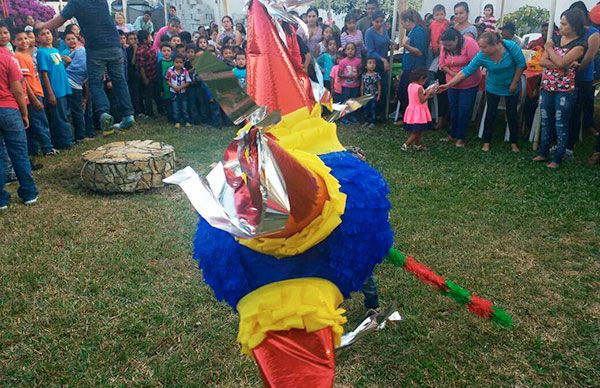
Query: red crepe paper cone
[[295, 358], [272, 80], [424, 273], [480, 306]]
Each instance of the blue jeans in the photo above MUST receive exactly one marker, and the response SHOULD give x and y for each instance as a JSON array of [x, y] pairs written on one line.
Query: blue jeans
[[370, 111], [60, 128], [7, 170], [583, 111], [111, 61], [15, 144], [461, 102], [90, 129], [180, 108], [77, 114], [556, 110], [195, 104], [39, 129], [370, 292]]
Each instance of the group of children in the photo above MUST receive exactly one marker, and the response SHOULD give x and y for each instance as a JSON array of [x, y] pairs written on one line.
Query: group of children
[[167, 77], [345, 73]]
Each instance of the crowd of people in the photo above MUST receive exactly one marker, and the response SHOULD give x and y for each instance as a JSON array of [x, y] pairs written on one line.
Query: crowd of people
[[68, 87]]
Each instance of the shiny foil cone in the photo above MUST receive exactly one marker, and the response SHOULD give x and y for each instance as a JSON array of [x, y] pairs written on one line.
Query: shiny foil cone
[[272, 80], [295, 358]]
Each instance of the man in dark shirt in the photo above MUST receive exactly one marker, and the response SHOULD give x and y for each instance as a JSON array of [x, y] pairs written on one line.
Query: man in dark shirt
[[365, 23], [104, 54]]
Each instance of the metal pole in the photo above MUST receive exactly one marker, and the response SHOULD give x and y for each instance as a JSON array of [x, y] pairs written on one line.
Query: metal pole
[[537, 123], [125, 11], [502, 13], [393, 35], [166, 12]]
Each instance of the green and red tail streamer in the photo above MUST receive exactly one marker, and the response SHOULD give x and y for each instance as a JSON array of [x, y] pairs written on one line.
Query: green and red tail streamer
[[475, 304]]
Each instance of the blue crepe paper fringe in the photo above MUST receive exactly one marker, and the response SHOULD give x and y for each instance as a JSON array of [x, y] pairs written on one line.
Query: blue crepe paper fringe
[[346, 258]]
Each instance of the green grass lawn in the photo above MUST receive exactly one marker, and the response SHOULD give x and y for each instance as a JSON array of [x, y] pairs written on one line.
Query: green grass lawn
[[102, 290]]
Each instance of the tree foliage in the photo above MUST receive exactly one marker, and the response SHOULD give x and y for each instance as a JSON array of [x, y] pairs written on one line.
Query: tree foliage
[[527, 18], [344, 6]]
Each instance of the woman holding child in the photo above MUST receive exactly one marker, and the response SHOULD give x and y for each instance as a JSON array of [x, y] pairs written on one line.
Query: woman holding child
[[377, 42]]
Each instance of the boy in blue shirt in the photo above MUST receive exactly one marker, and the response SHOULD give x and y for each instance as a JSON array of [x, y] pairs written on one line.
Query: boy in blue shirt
[[240, 68], [74, 56], [56, 88]]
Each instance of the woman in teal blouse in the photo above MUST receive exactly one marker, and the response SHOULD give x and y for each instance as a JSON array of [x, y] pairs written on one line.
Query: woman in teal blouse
[[505, 63]]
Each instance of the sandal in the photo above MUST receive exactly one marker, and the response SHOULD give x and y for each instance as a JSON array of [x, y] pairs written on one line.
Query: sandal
[[404, 147]]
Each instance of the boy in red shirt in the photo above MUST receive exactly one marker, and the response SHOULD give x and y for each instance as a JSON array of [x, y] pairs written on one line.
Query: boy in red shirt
[[13, 121], [39, 129], [437, 27]]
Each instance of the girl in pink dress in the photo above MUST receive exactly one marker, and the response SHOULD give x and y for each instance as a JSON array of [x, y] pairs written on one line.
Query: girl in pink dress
[[417, 117]]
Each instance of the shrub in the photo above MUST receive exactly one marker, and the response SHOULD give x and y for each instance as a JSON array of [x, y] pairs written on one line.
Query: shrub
[[20, 9], [527, 18]]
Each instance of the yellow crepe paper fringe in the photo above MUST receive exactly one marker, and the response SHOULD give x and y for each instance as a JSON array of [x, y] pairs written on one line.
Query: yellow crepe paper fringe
[[319, 228], [305, 131], [305, 303]]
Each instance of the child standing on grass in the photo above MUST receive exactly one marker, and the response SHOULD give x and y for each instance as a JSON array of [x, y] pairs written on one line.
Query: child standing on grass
[[327, 60], [39, 129], [165, 92], [145, 59], [335, 80], [194, 91], [349, 72], [417, 117], [56, 89], [178, 79], [74, 55], [13, 121], [371, 84]]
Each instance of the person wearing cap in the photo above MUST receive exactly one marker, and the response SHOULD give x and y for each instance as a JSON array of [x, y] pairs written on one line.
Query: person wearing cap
[[508, 33]]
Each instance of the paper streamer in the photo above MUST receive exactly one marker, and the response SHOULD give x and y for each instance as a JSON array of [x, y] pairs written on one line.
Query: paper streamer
[[475, 304]]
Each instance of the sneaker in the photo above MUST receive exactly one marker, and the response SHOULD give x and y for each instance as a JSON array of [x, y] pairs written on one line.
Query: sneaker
[[31, 201], [3, 207], [52, 152], [371, 126], [188, 125], [108, 132], [106, 122], [177, 125], [126, 123]]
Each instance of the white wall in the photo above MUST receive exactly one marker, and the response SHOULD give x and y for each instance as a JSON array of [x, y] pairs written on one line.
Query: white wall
[[476, 6]]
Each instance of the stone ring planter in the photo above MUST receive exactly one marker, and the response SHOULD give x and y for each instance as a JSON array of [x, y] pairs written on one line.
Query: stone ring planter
[[127, 167]]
